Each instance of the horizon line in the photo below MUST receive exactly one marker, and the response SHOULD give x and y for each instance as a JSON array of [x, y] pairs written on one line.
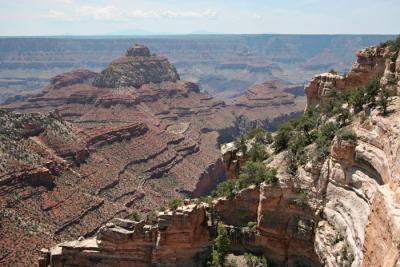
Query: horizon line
[[188, 34]]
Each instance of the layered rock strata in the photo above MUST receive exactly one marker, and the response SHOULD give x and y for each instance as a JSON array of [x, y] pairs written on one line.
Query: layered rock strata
[[266, 105], [137, 68], [372, 62], [131, 148], [180, 238]]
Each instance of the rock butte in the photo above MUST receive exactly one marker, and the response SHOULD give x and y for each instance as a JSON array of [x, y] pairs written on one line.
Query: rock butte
[[350, 218], [107, 143]]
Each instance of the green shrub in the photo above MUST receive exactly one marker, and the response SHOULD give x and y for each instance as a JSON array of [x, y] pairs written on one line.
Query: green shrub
[[371, 89], [328, 130], [347, 135], [332, 71], [252, 225], [303, 199], [383, 101], [261, 136], [258, 153], [281, 139], [255, 261], [152, 217], [221, 246], [392, 79], [225, 189], [255, 173], [240, 144], [344, 117], [135, 216], [173, 204], [394, 45]]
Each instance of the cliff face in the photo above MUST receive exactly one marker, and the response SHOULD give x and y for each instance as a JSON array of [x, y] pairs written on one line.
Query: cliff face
[[284, 231], [372, 62], [360, 218], [129, 243], [359, 180]]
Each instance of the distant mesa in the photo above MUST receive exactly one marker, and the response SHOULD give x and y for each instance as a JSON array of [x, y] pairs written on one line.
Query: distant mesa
[[138, 51], [136, 68]]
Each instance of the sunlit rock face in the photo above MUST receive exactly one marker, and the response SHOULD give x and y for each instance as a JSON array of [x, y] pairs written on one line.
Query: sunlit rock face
[[136, 68], [180, 238]]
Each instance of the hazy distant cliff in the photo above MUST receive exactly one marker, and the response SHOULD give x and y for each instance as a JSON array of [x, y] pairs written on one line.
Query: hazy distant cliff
[[224, 65]]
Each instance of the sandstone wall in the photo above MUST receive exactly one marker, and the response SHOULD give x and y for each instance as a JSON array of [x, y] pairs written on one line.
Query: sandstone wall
[[180, 238]]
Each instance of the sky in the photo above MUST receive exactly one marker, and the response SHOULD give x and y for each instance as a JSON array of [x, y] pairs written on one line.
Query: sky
[[102, 17]]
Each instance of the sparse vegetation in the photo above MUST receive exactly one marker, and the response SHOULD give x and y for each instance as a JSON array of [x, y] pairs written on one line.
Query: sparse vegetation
[[347, 135], [221, 246], [261, 136], [282, 137], [258, 153], [253, 172], [241, 144], [252, 226], [225, 189], [152, 218], [255, 261], [303, 199], [394, 45], [174, 203], [135, 215], [383, 101], [332, 71]]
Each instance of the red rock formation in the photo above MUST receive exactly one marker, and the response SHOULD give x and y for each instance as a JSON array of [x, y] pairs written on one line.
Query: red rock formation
[[71, 78], [132, 148], [137, 68], [180, 238]]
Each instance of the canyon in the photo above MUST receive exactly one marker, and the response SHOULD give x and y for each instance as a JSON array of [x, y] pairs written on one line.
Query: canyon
[[223, 65], [92, 147], [341, 210]]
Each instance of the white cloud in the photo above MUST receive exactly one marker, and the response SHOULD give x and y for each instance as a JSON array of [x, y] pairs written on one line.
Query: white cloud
[[59, 16], [190, 14], [100, 13], [257, 16], [112, 13]]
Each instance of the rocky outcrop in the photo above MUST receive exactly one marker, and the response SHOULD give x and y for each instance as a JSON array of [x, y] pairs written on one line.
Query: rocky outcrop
[[180, 238], [372, 62], [137, 68], [319, 87], [278, 221], [359, 219], [233, 160], [361, 177], [71, 78]]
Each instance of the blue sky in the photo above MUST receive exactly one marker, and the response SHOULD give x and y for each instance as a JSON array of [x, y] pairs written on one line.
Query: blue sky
[[89, 17]]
